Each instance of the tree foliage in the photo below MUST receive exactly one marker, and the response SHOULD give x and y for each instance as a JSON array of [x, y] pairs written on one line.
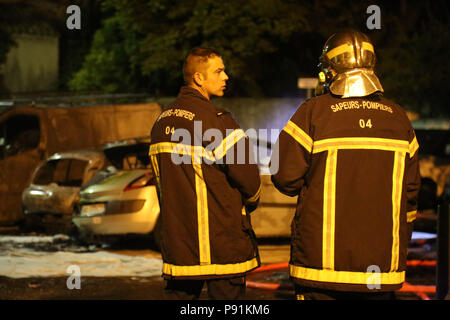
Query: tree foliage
[[6, 43], [267, 45], [413, 59], [107, 66], [245, 32]]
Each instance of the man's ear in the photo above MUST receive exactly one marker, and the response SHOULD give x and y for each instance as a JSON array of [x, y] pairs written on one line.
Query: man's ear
[[198, 78]]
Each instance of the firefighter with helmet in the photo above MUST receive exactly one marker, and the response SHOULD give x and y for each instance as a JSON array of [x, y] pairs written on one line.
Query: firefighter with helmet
[[351, 157]]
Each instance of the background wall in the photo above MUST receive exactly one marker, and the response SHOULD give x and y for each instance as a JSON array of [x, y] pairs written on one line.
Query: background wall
[[32, 65]]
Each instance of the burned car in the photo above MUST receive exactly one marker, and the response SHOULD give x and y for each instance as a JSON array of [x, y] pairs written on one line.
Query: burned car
[[48, 202], [122, 201]]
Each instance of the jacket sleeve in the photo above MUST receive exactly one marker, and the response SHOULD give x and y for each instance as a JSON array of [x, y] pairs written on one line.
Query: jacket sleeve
[[235, 155], [412, 177], [291, 156]]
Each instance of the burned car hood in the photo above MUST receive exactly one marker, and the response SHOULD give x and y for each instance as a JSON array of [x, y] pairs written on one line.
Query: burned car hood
[[117, 151]]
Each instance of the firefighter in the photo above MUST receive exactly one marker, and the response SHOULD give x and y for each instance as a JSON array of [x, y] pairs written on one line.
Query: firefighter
[[208, 184], [351, 157]]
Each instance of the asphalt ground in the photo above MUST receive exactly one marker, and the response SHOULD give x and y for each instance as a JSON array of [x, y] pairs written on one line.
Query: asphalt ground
[[272, 251], [151, 288]]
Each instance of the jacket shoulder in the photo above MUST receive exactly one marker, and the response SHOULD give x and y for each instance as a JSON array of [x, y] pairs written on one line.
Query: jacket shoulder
[[400, 112]]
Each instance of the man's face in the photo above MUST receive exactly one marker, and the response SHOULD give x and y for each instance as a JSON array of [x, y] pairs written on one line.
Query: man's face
[[214, 82]]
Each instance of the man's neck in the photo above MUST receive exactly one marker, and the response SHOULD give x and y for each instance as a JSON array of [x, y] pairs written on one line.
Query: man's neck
[[199, 89]]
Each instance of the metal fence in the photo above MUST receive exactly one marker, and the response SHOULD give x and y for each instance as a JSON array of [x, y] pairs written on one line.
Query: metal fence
[[69, 100]]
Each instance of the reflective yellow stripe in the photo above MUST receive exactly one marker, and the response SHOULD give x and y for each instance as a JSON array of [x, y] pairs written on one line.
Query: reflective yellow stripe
[[243, 211], [348, 48], [368, 46], [155, 165], [339, 50], [211, 269], [329, 208], [170, 147], [228, 143], [197, 153], [300, 297], [361, 143], [202, 213], [411, 216], [181, 149], [156, 172], [397, 185], [345, 276], [299, 135], [256, 196], [413, 147]]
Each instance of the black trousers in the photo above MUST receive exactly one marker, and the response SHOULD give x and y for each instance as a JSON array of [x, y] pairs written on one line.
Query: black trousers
[[307, 293], [218, 289]]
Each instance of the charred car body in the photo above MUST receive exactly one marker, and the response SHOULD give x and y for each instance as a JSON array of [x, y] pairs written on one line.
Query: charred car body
[[54, 189]]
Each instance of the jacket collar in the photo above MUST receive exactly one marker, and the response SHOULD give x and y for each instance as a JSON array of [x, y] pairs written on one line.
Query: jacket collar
[[188, 91]]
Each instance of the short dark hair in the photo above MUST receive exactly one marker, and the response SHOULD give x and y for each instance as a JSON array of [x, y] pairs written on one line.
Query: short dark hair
[[197, 57]]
